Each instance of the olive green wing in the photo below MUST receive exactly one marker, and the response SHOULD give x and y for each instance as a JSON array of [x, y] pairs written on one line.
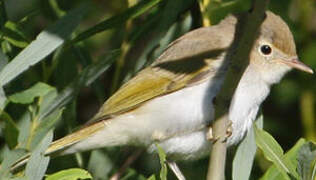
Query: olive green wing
[[184, 63]]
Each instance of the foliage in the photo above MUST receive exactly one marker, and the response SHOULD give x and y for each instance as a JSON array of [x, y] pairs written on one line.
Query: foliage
[[59, 60]]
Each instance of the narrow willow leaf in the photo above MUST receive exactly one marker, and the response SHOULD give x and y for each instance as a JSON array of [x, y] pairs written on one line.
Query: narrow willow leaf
[[245, 154], [85, 78], [163, 160], [14, 35], [28, 96], [118, 20], [273, 173], [11, 131], [3, 62], [45, 125], [70, 174], [46, 42], [37, 165], [24, 125], [168, 16], [274, 153], [10, 157], [306, 161], [3, 98]]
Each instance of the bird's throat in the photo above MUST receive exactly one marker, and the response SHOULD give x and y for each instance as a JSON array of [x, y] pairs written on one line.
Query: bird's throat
[[250, 93]]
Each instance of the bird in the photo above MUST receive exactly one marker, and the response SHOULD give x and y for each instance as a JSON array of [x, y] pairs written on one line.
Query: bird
[[169, 103]]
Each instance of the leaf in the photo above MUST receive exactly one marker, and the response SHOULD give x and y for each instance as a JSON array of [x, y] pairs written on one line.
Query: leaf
[[168, 16], [274, 153], [13, 34], [131, 174], [46, 42], [3, 62], [245, 154], [100, 165], [11, 131], [118, 20], [70, 174], [86, 77], [163, 159], [37, 165], [10, 157], [273, 173], [3, 98], [152, 177], [28, 96], [306, 161], [42, 129]]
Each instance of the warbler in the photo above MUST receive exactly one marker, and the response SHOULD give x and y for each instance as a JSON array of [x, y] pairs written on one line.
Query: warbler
[[170, 101]]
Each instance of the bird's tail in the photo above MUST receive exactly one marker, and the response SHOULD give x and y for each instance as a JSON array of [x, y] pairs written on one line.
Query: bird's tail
[[59, 146]]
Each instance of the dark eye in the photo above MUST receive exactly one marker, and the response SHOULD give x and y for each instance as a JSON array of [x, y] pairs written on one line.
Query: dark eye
[[265, 49]]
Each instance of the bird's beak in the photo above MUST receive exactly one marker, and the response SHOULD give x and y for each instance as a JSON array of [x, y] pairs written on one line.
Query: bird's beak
[[296, 63]]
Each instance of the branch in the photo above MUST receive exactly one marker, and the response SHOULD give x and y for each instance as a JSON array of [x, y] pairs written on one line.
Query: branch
[[238, 56]]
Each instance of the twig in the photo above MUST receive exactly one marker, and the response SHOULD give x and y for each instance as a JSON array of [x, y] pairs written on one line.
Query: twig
[[175, 169], [238, 54], [126, 164]]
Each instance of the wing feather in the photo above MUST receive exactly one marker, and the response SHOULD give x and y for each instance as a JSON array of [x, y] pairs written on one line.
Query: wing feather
[[186, 62]]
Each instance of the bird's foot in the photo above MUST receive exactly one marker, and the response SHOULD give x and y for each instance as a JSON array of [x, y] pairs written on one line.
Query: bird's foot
[[229, 132]]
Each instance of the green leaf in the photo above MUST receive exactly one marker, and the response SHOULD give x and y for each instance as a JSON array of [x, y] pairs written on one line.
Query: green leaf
[[100, 165], [11, 131], [306, 161], [45, 125], [13, 34], [37, 165], [131, 174], [3, 62], [28, 96], [245, 154], [152, 177], [274, 153], [3, 98], [10, 157], [164, 30], [70, 174], [273, 173], [85, 78], [118, 20], [46, 42], [163, 159]]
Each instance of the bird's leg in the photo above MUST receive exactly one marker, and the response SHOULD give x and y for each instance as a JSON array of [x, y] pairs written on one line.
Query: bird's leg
[[175, 169], [229, 131]]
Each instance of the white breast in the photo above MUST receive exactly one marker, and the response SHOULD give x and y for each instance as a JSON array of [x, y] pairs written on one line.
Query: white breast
[[249, 95]]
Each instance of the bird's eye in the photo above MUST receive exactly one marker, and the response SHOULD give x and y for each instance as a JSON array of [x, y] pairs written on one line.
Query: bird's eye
[[265, 49]]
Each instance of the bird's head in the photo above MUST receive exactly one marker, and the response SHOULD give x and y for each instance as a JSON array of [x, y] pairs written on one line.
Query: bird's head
[[274, 51]]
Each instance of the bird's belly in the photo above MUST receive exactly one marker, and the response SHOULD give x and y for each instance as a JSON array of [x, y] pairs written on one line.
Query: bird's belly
[[182, 112], [189, 146]]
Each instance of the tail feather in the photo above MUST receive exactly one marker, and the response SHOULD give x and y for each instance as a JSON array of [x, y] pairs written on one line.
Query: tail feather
[[61, 144], [74, 138]]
